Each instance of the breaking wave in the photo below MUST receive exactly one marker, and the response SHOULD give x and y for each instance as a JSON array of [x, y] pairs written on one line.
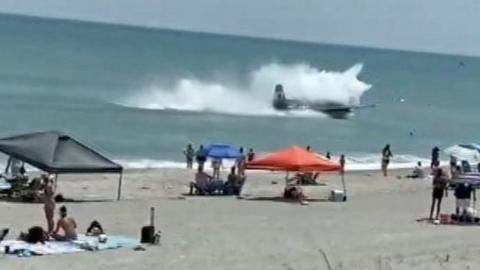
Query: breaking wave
[[301, 81], [354, 162]]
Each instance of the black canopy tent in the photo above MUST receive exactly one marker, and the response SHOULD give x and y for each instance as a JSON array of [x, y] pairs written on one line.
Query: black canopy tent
[[58, 153]]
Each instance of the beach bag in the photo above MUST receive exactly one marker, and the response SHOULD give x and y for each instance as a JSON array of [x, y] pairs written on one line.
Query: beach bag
[[147, 234]]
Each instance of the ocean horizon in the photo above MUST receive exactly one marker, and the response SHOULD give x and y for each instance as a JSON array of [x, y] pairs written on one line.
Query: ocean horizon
[[140, 95]]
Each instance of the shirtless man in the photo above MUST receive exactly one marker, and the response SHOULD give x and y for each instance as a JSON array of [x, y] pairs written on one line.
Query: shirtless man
[[68, 226]]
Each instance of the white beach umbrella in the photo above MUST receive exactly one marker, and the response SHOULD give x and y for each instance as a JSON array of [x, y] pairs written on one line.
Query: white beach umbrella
[[468, 152]]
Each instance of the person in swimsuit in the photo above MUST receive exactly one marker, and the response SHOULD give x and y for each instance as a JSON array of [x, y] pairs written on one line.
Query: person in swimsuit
[[189, 153], [200, 156], [386, 155], [342, 164], [439, 186], [49, 201], [216, 165], [250, 155], [67, 224], [240, 162], [435, 156]]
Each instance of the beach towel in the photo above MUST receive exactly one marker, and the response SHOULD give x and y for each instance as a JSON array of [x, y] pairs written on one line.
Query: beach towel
[[83, 243]]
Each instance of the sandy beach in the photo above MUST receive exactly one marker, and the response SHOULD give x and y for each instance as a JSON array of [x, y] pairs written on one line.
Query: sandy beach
[[375, 229]]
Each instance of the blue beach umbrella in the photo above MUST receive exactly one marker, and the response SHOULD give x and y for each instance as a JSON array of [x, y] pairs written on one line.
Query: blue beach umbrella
[[221, 151]]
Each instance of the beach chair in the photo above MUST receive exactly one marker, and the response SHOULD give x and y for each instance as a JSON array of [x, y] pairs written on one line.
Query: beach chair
[[466, 167]]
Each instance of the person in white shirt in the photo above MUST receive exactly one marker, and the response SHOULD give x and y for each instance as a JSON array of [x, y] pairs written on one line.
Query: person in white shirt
[[418, 172]]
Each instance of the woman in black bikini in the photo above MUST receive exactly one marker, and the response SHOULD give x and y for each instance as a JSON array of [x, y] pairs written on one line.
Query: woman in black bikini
[[386, 155]]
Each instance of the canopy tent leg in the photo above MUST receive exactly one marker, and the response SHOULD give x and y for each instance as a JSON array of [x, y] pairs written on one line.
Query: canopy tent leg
[[344, 187], [55, 184], [119, 193]]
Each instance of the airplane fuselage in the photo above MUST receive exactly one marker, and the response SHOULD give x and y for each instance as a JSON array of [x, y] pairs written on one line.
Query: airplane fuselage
[[333, 109]]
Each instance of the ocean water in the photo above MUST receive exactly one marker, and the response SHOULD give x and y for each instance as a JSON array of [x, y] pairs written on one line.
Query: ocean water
[[140, 95]]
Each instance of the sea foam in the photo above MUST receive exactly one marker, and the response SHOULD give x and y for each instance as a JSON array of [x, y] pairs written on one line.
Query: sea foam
[[301, 81]]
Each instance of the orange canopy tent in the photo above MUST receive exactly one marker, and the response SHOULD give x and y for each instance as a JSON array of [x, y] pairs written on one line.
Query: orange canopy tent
[[293, 159], [296, 159]]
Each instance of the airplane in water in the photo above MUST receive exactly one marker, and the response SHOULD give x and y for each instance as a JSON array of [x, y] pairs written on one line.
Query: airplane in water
[[333, 109]]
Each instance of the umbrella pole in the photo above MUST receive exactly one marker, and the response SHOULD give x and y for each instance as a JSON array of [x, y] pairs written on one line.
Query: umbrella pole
[[119, 193], [56, 177], [344, 187]]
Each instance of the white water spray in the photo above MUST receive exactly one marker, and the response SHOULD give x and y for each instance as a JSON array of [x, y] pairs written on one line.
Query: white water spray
[[300, 81]]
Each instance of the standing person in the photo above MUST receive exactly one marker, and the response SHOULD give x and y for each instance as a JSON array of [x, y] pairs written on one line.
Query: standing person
[[216, 165], [189, 153], [200, 156], [386, 155], [439, 185], [49, 201], [250, 155], [308, 148], [342, 164], [328, 155], [241, 163], [435, 157], [453, 164], [463, 194]]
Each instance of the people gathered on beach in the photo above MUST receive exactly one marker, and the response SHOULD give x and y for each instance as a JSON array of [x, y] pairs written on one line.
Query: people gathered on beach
[[386, 155], [206, 184]]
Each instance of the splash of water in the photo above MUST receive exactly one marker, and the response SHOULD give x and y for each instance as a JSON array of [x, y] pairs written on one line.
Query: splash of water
[[301, 81]]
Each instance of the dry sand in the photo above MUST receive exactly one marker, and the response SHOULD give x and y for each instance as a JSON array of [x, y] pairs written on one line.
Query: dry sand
[[375, 229]]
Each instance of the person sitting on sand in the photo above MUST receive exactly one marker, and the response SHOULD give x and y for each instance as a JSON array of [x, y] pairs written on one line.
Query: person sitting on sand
[[294, 191], [204, 183], [233, 184], [439, 184], [35, 234], [67, 224], [418, 172], [307, 178]]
